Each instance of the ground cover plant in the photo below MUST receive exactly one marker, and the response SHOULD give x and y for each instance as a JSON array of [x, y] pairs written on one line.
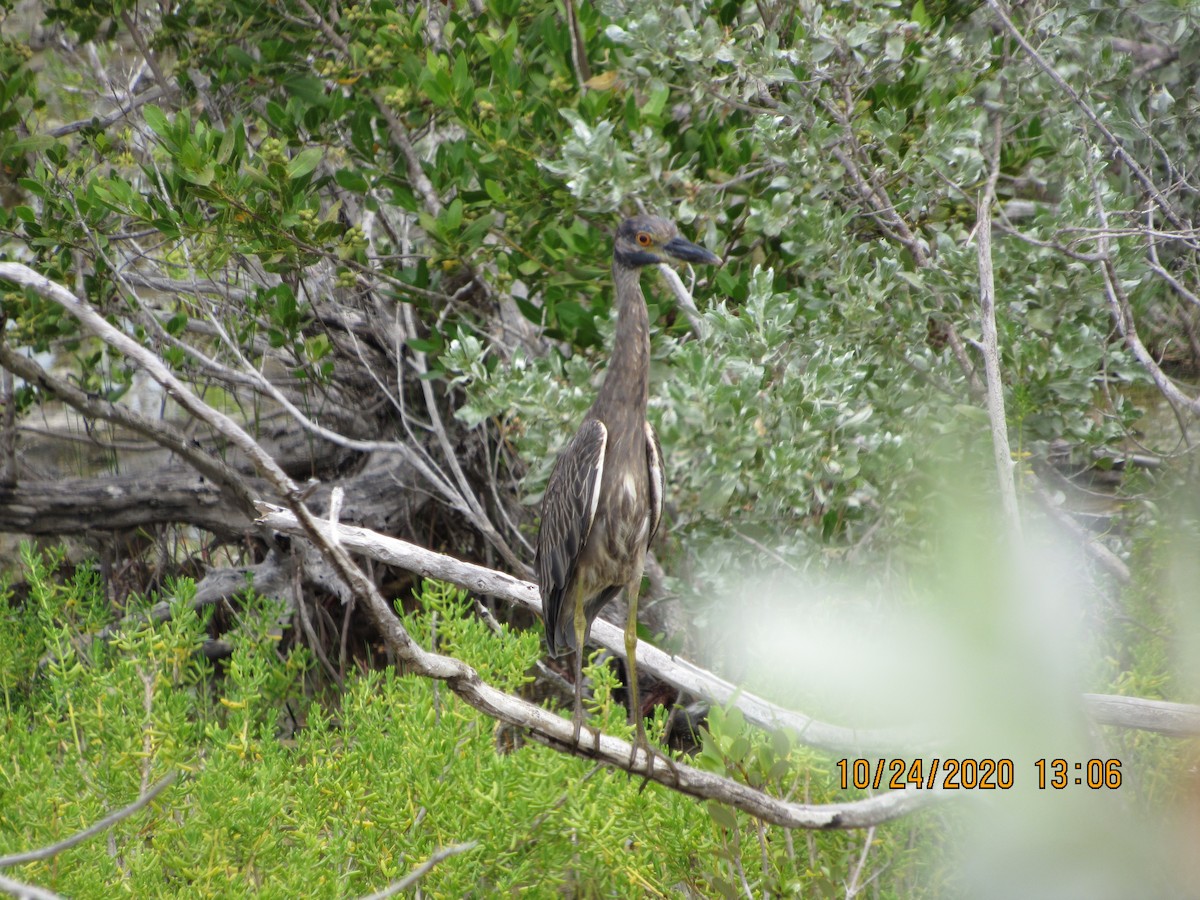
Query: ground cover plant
[[928, 432]]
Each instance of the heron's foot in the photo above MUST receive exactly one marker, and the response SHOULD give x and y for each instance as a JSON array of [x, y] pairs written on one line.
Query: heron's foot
[[577, 737], [653, 754], [576, 725]]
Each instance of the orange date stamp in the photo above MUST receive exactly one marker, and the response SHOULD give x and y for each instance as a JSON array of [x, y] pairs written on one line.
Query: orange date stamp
[[972, 774]]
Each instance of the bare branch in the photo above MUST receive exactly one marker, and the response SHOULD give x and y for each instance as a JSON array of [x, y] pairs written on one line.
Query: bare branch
[[672, 669], [1111, 563], [1122, 314], [26, 891], [1159, 716], [684, 298], [422, 870], [107, 822], [124, 109], [1113, 141], [469, 502], [853, 888], [583, 72], [8, 431], [143, 48], [991, 346], [162, 433]]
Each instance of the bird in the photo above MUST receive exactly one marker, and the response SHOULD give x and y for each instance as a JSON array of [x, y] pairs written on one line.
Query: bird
[[604, 500]]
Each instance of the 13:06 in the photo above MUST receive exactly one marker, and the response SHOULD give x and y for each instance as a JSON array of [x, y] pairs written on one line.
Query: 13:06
[[1095, 773]]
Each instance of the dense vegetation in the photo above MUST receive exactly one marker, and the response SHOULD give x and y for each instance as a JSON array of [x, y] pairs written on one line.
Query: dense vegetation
[[375, 234]]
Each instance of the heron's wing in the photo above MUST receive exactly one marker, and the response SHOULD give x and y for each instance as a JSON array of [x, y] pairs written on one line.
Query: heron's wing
[[568, 511], [654, 461]]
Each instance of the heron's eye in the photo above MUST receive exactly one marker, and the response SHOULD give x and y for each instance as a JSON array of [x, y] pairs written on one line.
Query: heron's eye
[[644, 239]]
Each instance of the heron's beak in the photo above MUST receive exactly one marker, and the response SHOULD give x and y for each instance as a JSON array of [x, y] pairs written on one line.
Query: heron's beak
[[689, 252]]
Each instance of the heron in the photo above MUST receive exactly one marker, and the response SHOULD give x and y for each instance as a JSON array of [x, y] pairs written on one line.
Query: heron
[[604, 500]]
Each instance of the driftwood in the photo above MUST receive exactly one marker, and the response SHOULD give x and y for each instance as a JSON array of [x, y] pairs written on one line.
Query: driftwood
[[541, 724], [1176, 719], [380, 495], [117, 503]]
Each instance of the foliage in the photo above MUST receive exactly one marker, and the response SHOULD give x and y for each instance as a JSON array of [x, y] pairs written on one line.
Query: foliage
[[833, 155], [307, 174], [369, 788]]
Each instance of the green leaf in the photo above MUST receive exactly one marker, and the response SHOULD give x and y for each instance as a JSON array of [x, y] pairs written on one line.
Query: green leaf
[[722, 815], [157, 120], [304, 162], [653, 107], [494, 190], [35, 144], [351, 180], [452, 216], [202, 177], [177, 323]]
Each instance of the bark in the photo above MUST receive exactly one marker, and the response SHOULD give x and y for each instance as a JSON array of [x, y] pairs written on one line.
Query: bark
[[383, 496], [116, 503]]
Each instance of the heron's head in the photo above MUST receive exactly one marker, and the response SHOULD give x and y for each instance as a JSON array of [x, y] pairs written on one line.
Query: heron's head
[[646, 240]]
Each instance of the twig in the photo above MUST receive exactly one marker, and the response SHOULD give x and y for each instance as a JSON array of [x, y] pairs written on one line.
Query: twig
[[18, 859], [143, 47], [853, 887], [1118, 150], [475, 510], [684, 298], [1122, 315], [991, 347], [420, 871], [161, 432], [26, 891], [1157, 268], [116, 115], [583, 72]]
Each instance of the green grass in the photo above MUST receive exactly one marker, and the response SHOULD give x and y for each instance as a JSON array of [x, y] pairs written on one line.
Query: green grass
[[378, 778]]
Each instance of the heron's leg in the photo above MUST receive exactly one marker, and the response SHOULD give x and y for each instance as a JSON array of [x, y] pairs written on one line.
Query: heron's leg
[[581, 629], [635, 704]]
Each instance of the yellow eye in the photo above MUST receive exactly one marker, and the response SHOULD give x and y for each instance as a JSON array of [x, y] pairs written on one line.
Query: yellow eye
[[644, 239]]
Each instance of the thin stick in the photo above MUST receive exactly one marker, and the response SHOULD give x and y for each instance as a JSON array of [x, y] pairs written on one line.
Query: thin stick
[[1118, 149], [18, 859], [994, 384], [420, 871], [26, 891]]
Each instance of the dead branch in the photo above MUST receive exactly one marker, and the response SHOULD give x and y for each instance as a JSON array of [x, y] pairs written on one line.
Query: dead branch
[[422, 870], [118, 503], [18, 859], [162, 433], [672, 669], [1122, 314], [543, 725], [1111, 139], [26, 891], [990, 345], [1160, 716]]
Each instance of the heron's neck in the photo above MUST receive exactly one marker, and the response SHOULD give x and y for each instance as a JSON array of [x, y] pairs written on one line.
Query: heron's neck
[[627, 381]]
